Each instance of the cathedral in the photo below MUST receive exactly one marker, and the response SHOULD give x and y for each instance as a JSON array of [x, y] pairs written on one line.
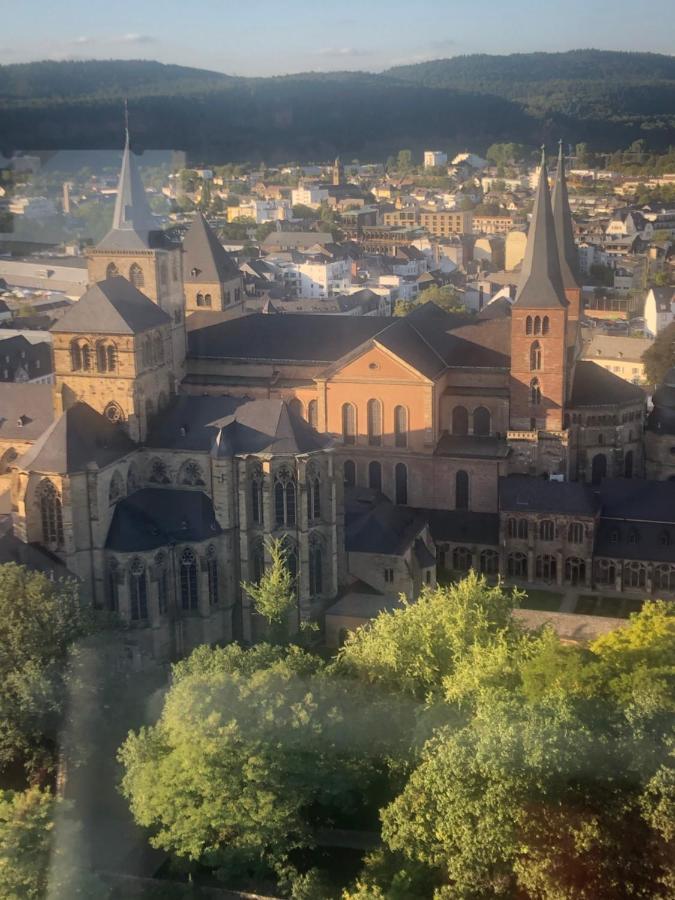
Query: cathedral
[[382, 451]]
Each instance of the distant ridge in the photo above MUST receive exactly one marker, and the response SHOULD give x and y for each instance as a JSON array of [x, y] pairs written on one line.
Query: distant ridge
[[607, 98]]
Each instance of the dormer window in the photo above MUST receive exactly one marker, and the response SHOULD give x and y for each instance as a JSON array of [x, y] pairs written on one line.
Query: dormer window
[[194, 272]]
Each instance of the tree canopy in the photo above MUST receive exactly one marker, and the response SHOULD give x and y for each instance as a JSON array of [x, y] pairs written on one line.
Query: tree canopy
[[660, 356]]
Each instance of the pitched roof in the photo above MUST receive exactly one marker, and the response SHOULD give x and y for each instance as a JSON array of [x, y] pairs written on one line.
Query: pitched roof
[[375, 525], [79, 436], [26, 411], [541, 285], [112, 306], [205, 255], [154, 517], [595, 386], [562, 219], [133, 221], [525, 493], [638, 499]]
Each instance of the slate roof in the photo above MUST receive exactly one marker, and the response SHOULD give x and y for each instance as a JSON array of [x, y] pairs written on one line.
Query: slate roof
[[610, 346], [628, 498], [525, 493], [541, 285], [26, 411], [205, 255], [629, 539], [375, 525], [463, 527], [79, 436], [362, 605], [13, 550], [112, 306], [153, 517], [564, 232], [228, 425], [595, 386]]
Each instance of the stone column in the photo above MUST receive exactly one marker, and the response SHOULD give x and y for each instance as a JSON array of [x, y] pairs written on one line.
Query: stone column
[[559, 568], [530, 565]]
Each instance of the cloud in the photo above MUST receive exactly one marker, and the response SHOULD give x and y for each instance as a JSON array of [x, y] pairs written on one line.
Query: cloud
[[340, 51], [135, 38]]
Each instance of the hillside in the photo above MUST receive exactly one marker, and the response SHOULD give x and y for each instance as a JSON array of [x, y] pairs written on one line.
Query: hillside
[[606, 98]]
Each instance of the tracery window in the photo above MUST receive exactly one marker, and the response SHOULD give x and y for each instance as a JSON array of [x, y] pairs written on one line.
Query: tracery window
[[284, 497], [158, 472], [313, 495], [535, 356], [189, 585], [138, 591], [575, 533], [113, 413], [136, 276], [489, 562], [212, 575], [116, 487], [112, 598], [516, 565], [461, 559], [51, 513], [111, 270], [257, 496], [546, 530], [546, 567], [191, 474]]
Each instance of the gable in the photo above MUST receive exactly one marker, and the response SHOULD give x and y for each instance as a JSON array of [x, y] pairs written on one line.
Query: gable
[[373, 363]]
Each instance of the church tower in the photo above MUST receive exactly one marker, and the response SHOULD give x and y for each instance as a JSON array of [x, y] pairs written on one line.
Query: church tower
[[136, 248], [567, 250], [539, 326], [338, 172]]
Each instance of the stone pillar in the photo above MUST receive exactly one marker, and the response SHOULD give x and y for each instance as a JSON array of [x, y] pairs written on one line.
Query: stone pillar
[[559, 568], [618, 578], [588, 571], [530, 565]]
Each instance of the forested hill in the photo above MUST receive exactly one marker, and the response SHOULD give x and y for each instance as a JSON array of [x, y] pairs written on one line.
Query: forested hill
[[607, 99]]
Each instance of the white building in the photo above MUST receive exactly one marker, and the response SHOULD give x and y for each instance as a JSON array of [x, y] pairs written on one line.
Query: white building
[[323, 278], [659, 309], [265, 210], [312, 196], [433, 158]]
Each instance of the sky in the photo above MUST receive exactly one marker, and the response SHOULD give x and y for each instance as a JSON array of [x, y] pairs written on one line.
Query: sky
[[270, 37]]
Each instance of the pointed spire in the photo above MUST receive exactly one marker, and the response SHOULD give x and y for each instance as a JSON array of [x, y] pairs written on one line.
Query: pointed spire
[[540, 281], [564, 232], [133, 221]]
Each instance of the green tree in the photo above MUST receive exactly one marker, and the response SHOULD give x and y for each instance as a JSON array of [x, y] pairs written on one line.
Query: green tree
[[404, 160], [506, 154], [660, 357], [445, 296], [300, 211], [582, 156], [274, 597]]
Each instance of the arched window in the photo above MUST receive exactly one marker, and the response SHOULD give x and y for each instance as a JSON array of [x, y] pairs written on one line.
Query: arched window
[[375, 476], [516, 565], [51, 514], [162, 583], [157, 349], [212, 575], [545, 325], [628, 464], [348, 423], [295, 407], [200, 299], [113, 413], [546, 530], [461, 559], [462, 490], [598, 468], [575, 533], [313, 497], [158, 472], [537, 325], [189, 584], [136, 275], [284, 497], [315, 566], [207, 300], [313, 413], [349, 473], [112, 587], [535, 392], [517, 528], [546, 567], [664, 578], [575, 570], [116, 487], [481, 420], [460, 420], [111, 270], [138, 591], [634, 574], [75, 356], [528, 325], [489, 562], [401, 478], [400, 426], [86, 356], [257, 562], [605, 571], [191, 474], [535, 357], [257, 496], [133, 479], [374, 423]]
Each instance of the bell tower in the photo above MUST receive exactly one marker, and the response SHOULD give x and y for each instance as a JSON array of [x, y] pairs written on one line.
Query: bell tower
[[539, 325]]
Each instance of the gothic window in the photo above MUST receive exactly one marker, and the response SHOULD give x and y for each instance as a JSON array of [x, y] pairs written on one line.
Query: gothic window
[[200, 299], [546, 530], [191, 474], [138, 591], [546, 567], [313, 497], [634, 574], [295, 407], [162, 583], [535, 357], [116, 487], [462, 490], [284, 497], [481, 421], [158, 349], [257, 562], [313, 413], [664, 578], [158, 472], [112, 586], [575, 533], [315, 566], [535, 392], [212, 575], [375, 475], [598, 468], [349, 473], [257, 497], [113, 413], [461, 559], [517, 528], [605, 571], [374, 423], [111, 270], [75, 356], [400, 426], [291, 551], [51, 514], [545, 325], [348, 423], [136, 276], [207, 300], [133, 479], [489, 562], [516, 565], [401, 479], [460, 420], [189, 585], [537, 325], [575, 570], [86, 355], [528, 325]]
